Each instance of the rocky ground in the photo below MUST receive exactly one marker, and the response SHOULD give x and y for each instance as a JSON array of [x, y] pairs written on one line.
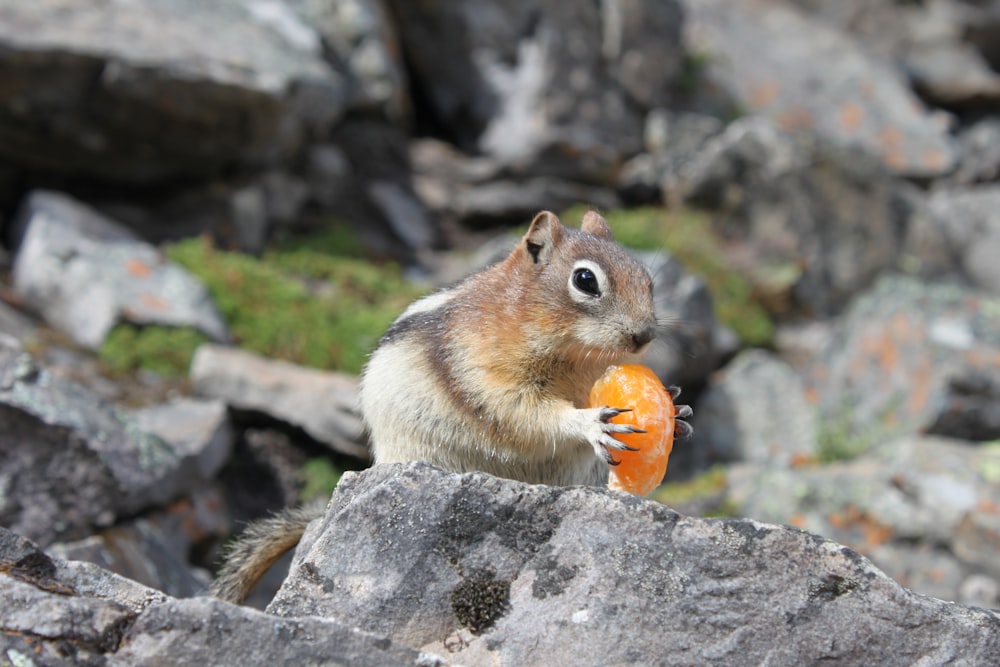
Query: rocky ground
[[814, 185]]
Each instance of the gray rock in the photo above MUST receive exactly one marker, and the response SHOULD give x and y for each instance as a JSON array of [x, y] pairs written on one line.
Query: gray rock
[[405, 214], [70, 460], [835, 216], [549, 85], [249, 219], [487, 570], [199, 432], [322, 403], [978, 148], [767, 58], [689, 345], [362, 38], [84, 274], [149, 92], [57, 612], [910, 489], [756, 410], [22, 560], [953, 75], [286, 197], [907, 358], [140, 551], [204, 631], [969, 219], [329, 174], [672, 140]]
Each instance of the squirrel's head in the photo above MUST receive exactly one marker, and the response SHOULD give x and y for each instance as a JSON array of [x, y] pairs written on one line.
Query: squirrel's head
[[590, 289]]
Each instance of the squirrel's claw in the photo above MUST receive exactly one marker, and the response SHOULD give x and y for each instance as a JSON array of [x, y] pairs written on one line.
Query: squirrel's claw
[[683, 411], [682, 429], [606, 442], [674, 391]]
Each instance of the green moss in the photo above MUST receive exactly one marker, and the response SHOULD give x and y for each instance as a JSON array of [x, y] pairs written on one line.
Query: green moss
[[709, 487], [688, 235], [163, 350], [298, 303], [320, 478]]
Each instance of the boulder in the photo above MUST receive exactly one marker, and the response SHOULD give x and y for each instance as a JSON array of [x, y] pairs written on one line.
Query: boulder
[[199, 432], [911, 357], [765, 57], [554, 89], [324, 404], [72, 461], [84, 274], [147, 93], [923, 508], [64, 613], [968, 216], [756, 410], [833, 216], [486, 570]]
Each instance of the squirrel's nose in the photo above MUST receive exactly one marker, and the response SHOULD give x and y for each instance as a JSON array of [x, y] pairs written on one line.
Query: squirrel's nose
[[640, 338]]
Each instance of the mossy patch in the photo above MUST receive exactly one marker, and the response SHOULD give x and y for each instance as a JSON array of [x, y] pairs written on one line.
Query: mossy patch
[[298, 303], [163, 350], [310, 301], [708, 488], [320, 478], [688, 235]]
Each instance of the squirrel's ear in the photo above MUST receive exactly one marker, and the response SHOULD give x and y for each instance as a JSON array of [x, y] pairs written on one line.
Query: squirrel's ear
[[595, 224], [542, 236]]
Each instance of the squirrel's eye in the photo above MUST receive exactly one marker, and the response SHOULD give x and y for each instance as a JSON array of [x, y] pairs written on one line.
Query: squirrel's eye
[[585, 281]]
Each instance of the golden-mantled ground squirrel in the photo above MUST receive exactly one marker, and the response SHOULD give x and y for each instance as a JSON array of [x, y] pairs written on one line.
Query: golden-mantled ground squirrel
[[493, 375]]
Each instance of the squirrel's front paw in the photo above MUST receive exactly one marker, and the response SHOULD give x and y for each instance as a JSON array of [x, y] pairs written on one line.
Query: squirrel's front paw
[[603, 441]]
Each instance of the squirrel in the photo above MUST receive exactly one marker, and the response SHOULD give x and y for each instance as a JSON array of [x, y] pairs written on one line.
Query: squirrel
[[493, 375]]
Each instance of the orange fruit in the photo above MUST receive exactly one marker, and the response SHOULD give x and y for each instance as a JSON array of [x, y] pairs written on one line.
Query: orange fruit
[[637, 387]]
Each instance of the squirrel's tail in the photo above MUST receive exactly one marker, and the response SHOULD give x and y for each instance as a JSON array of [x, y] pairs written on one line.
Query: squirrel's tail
[[256, 550]]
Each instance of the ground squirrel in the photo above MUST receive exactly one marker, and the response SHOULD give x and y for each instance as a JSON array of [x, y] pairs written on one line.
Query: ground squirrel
[[493, 375]]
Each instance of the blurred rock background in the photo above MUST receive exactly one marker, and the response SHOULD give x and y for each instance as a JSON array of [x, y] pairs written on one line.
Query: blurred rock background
[[212, 210]]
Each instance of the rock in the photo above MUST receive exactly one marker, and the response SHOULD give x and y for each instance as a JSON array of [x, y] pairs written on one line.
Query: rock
[[953, 75], [140, 551], [147, 93], [248, 217], [672, 140], [56, 612], [199, 432], [544, 86], [322, 403], [328, 173], [978, 590], [968, 218], [84, 274], [756, 410], [70, 460], [466, 565], [689, 345], [404, 213], [903, 491], [834, 216], [23, 561], [361, 37], [978, 148], [286, 197], [767, 58], [478, 191], [910, 357], [977, 538], [204, 631]]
